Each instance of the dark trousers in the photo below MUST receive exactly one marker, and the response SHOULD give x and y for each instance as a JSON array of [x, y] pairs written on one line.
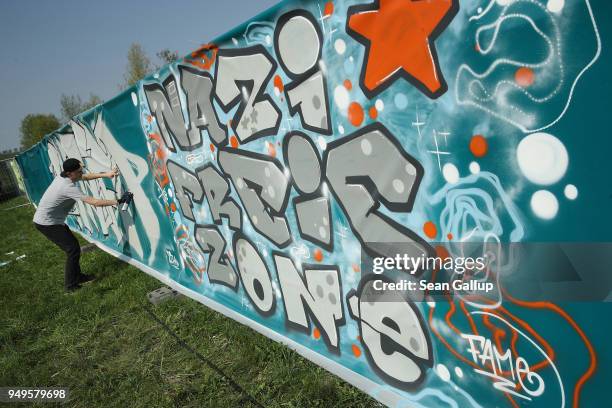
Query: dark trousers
[[61, 236]]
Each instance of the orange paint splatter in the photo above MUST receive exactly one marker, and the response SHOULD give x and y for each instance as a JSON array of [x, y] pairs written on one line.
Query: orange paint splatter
[[524, 77], [278, 83], [149, 118], [348, 84], [373, 112], [329, 9], [318, 255], [356, 350], [316, 333], [355, 114], [234, 142], [271, 149], [429, 228], [204, 57], [212, 147], [356, 268], [173, 207], [442, 252], [479, 145], [449, 236]]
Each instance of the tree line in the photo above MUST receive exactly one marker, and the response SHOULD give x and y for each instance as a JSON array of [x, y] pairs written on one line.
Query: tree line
[[36, 125]]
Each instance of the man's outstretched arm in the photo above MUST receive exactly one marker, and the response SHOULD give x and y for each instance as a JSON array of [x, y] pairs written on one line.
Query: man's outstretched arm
[[99, 202], [109, 174]]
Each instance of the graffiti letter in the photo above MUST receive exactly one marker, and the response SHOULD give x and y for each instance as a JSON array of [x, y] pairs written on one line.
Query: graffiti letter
[[318, 292], [198, 87], [392, 333], [217, 189], [297, 42], [220, 269], [312, 210], [241, 76], [365, 169], [254, 275], [185, 182], [263, 189]]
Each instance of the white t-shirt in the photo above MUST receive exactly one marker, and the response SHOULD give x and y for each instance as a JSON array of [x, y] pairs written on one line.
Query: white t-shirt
[[57, 201]]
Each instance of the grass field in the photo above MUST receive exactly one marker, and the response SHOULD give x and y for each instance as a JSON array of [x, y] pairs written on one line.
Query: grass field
[[103, 345]]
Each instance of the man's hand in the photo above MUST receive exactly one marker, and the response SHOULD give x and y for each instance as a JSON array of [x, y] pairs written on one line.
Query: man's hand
[[113, 173]]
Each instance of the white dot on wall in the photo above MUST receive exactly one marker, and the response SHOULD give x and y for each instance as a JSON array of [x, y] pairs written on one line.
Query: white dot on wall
[[443, 372], [341, 97], [341, 129], [459, 372], [542, 158], [398, 186], [571, 192], [366, 147], [134, 99], [322, 143], [474, 168], [450, 173], [322, 232], [379, 105], [555, 6], [268, 40], [544, 204], [340, 46]]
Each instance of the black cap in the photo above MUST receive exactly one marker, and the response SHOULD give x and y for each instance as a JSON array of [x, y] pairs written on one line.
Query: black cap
[[70, 165]]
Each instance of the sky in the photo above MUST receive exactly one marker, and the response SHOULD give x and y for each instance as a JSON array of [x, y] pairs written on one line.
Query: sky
[[80, 47]]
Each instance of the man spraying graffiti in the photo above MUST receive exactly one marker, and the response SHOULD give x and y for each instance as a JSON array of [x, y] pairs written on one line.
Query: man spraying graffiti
[[54, 207]]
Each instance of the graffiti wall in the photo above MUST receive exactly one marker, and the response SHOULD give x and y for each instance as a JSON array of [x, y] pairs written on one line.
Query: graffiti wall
[[272, 166]]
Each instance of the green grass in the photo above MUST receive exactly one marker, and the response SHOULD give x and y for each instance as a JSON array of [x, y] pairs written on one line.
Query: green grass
[[102, 344]]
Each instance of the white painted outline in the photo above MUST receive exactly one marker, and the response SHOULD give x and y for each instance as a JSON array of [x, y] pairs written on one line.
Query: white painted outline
[[572, 88]]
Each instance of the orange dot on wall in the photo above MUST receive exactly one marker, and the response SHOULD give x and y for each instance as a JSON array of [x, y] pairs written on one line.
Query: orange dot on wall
[[479, 145], [212, 147], [524, 77], [348, 84], [271, 149], [449, 236], [234, 141], [373, 112], [429, 228], [278, 83], [318, 255], [329, 9], [356, 350], [355, 114], [316, 333]]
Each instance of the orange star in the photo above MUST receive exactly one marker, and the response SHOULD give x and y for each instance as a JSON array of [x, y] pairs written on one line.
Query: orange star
[[399, 35]]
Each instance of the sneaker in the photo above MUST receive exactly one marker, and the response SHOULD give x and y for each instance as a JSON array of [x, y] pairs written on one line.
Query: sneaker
[[72, 289], [83, 278]]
